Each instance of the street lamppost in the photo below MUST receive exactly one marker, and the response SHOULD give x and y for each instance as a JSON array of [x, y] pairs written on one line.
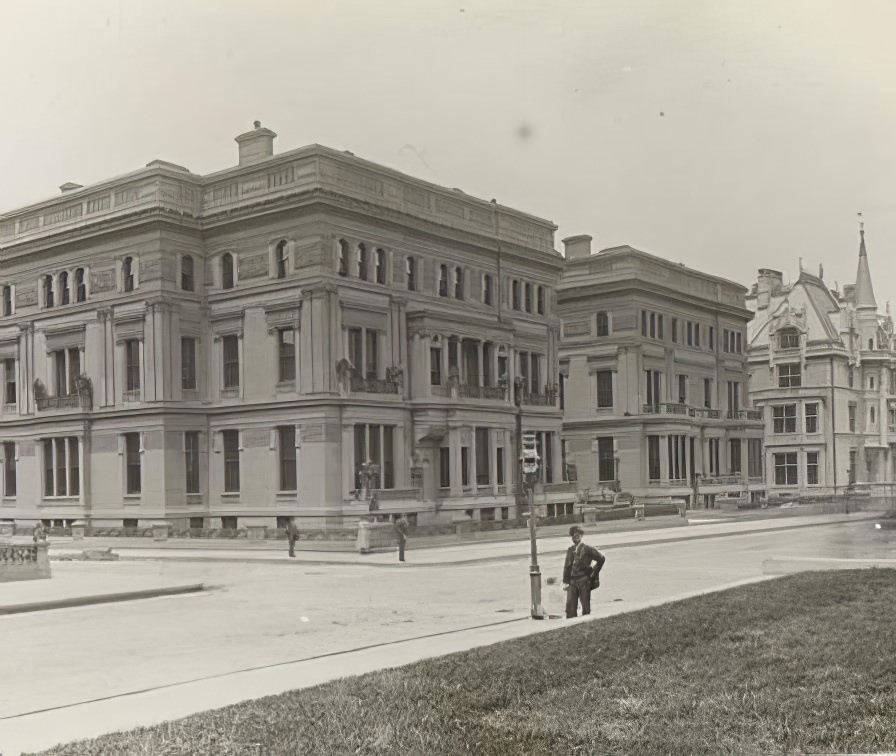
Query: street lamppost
[[529, 465]]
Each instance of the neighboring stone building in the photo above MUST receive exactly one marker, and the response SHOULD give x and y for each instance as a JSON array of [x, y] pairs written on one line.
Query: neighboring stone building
[[654, 378], [231, 349], [822, 371]]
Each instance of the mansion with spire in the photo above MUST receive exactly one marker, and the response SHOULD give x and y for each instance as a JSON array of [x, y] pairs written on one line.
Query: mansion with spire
[[823, 372]]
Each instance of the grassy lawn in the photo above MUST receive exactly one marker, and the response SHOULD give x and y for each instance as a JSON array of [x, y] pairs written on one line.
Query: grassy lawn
[[805, 663]]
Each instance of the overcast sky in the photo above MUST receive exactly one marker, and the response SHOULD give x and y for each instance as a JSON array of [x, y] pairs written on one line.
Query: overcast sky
[[725, 135]]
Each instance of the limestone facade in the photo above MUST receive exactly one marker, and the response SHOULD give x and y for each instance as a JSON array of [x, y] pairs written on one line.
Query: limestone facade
[[227, 350], [654, 377]]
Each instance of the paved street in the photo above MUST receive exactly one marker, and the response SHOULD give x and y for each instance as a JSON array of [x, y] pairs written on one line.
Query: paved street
[[280, 618]]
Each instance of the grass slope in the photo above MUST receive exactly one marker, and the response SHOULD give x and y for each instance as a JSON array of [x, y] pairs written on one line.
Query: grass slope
[[802, 664]]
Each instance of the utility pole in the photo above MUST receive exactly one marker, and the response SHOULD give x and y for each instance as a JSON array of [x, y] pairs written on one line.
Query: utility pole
[[529, 459]]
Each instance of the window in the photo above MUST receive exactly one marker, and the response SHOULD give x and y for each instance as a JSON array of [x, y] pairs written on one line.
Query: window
[[712, 339], [678, 462], [67, 365], [690, 334], [62, 474], [444, 467], [80, 286], [784, 418], [133, 484], [127, 274], [132, 365], [653, 387], [410, 269], [65, 294], [227, 269], [483, 457], [852, 418], [8, 299], [812, 417], [714, 446], [696, 334], [374, 444], [10, 394], [527, 296], [191, 461], [230, 348], [707, 393], [443, 280], [812, 468], [788, 338], [603, 324], [9, 468], [361, 262], [653, 457], [186, 273], [342, 266], [785, 469], [499, 465], [230, 439], [539, 300], [515, 294], [674, 330], [754, 457], [286, 446], [734, 461], [604, 388], [487, 285], [458, 283], [659, 327], [606, 460], [188, 363], [47, 286], [733, 397], [281, 258], [682, 389], [871, 381], [435, 366], [286, 354], [380, 266], [789, 375]]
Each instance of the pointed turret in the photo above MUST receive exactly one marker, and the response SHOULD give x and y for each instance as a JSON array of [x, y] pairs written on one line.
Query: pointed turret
[[864, 290]]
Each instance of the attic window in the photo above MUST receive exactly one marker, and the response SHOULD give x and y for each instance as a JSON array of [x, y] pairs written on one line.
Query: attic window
[[789, 338]]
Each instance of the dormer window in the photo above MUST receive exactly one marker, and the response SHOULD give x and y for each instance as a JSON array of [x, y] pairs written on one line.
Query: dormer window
[[789, 338]]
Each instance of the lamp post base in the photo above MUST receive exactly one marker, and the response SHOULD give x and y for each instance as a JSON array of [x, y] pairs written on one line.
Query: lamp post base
[[535, 580]]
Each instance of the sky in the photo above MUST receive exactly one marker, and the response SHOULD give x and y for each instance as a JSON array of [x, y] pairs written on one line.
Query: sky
[[726, 135]]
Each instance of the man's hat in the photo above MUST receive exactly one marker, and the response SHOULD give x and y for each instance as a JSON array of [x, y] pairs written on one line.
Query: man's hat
[[576, 529]]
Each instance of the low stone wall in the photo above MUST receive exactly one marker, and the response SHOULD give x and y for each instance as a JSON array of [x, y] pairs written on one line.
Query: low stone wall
[[23, 561]]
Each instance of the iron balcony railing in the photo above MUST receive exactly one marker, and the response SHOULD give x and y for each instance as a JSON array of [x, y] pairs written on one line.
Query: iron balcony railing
[[82, 401], [374, 385]]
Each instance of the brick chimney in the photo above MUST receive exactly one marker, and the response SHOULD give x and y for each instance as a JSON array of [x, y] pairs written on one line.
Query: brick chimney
[[577, 247], [255, 145]]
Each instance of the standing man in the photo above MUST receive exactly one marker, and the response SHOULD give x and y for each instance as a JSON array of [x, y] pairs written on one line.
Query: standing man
[[292, 535], [401, 531], [578, 574]]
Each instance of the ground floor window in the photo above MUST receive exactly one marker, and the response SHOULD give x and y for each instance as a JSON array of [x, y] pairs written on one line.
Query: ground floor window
[[62, 474], [754, 457], [785, 469], [653, 457], [9, 468], [286, 445], [375, 445], [231, 443], [812, 468], [191, 461], [133, 483]]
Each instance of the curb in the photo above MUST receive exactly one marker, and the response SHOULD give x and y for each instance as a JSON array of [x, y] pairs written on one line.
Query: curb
[[102, 598]]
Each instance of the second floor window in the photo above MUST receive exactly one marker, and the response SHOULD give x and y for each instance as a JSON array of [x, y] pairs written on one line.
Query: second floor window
[[227, 277], [443, 280], [10, 393], [604, 388], [527, 297], [410, 269], [363, 352], [127, 274], [65, 294], [487, 289], [539, 300], [186, 273], [67, 367], [458, 283], [230, 348], [380, 266], [188, 363], [361, 260], [282, 259], [435, 366], [47, 284], [80, 286], [812, 417], [286, 354], [784, 418], [789, 375], [603, 324], [515, 294], [132, 364]]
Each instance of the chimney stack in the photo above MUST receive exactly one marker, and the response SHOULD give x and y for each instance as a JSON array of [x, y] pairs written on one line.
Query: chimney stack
[[255, 145], [577, 247], [769, 282]]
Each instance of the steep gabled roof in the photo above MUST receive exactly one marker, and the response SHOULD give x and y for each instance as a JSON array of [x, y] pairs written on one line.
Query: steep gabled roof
[[864, 289]]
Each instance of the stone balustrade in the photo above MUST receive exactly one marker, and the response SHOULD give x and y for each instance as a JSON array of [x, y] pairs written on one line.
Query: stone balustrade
[[23, 561]]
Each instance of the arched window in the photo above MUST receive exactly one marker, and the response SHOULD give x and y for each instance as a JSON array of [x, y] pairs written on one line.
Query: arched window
[[443, 280], [362, 262], [65, 294], [227, 271], [788, 338], [458, 283], [48, 291], [870, 344], [80, 286], [282, 255], [527, 296], [487, 289], [603, 324], [540, 300], [380, 266], [411, 270], [127, 274], [186, 273], [343, 258]]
